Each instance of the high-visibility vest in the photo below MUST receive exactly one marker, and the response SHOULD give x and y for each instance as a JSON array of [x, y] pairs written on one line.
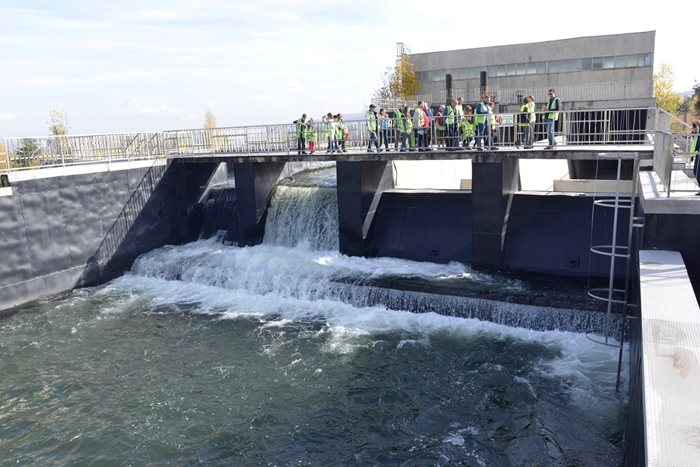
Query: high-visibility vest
[[450, 115], [398, 120], [694, 144], [492, 118], [467, 129], [552, 106], [301, 127], [329, 129], [481, 117], [524, 115], [371, 121], [531, 110], [341, 129], [311, 133]]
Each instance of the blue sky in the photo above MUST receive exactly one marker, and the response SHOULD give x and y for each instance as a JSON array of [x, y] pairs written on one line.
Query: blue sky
[[155, 65]]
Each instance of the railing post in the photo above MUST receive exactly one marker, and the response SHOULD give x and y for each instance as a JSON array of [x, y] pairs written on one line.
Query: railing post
[[7, 155]]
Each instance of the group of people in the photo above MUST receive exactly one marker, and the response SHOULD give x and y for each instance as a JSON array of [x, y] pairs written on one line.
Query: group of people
[[334, 130], [457, 124], [454, 125]]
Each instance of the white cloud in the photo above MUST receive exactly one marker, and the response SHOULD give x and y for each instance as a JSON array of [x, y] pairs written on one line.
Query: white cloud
[[7, 117]]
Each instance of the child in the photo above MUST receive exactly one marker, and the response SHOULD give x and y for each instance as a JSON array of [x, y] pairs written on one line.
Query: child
[[467, 127], [311, 135]]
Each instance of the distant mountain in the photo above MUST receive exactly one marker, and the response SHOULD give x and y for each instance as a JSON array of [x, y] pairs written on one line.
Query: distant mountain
[[686, 94]]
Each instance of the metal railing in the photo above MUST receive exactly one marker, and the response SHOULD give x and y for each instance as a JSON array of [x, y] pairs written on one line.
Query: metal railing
[[573, 127], [672, 150], [61, 151]]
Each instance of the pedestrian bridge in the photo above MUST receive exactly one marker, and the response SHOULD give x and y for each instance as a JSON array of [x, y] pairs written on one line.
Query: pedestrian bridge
[[581, 134]]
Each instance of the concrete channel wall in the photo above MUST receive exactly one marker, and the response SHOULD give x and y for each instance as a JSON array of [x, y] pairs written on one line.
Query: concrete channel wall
[[61, 232]]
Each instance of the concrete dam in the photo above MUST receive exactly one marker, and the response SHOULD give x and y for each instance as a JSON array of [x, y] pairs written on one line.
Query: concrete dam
[[286, 265]]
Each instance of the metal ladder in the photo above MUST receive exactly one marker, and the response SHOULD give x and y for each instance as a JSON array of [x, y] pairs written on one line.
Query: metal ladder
[[614, 250]]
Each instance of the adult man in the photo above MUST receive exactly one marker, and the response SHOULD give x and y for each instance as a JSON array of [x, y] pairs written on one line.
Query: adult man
[[482, 126], [459, 114], [450, 125], [372, 126], [551, 118], [301, 134]]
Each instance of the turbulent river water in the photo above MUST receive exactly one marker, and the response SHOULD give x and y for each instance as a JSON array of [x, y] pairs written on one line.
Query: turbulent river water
[[213, 354]]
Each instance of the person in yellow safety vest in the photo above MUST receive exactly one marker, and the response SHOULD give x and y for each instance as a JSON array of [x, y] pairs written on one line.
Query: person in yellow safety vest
[[467, 127], [301, 134], [372, 121], [523, 124], [482, 127], [554, 105], [533, 118], [493, 121], [311, 135], [329, 131], [342, 130], [450, 125]]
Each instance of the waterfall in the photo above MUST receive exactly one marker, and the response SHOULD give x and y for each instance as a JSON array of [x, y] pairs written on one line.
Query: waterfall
[[299, 260], [281, 273], [303, 215]]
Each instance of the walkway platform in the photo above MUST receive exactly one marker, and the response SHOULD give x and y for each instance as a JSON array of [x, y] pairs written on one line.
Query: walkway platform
[[671, 360], [681, 201], [569, 152]]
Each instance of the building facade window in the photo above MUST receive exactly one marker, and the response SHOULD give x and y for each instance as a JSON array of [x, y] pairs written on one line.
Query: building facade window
[[551, 66]]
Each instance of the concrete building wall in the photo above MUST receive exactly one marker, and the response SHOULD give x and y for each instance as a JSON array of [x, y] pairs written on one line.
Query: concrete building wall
[[623, 81], [579, 47]]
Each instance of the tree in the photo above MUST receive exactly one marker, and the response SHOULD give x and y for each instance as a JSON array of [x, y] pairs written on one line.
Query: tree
[[384, 89], [696, 99], [405, 82], [209, 120], [401, 82], [58, 122], [666, 97], [26, 154]]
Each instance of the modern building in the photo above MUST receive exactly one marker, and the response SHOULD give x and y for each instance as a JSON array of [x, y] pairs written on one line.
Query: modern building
[[595, 72]]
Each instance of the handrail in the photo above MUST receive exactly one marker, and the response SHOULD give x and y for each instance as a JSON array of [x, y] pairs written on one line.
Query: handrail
[[574, 127]]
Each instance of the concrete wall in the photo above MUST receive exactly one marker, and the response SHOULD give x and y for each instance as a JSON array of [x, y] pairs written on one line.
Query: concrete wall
[[592, 46], [546, 234], [676, 232], [635, 88], [61, 232]]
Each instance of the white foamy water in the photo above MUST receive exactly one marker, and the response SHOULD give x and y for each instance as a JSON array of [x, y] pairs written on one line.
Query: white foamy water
[[299, 272], [303, 215], [280, 285]]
